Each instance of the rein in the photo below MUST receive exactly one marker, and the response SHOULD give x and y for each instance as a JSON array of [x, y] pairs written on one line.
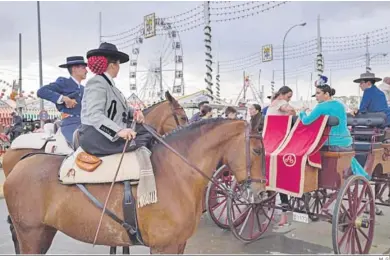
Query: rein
[[247, 147]]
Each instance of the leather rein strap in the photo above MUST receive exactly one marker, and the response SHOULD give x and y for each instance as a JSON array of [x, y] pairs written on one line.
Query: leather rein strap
[[247, 148]]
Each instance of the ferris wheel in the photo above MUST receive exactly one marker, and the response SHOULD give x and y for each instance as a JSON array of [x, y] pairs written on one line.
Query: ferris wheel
[[159, 66]]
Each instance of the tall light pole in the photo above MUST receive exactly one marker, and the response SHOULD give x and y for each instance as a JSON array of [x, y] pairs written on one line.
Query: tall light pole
[[284, 61], [368, 66], [40, 56]]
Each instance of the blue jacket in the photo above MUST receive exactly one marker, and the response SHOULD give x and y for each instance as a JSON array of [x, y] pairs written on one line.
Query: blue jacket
[[264, 111], [374, 100], [66, 87]]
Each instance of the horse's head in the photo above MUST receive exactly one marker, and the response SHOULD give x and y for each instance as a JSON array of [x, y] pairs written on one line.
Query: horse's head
[[166, 116], [245, 156]]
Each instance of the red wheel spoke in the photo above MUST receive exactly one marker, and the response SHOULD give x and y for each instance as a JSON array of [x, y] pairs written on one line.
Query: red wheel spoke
[[361, 232], [218, 204], [358, 242], [361, 196], [223, 209], [346, 211], [360, 211], [245, 221], [258, 222], [355, 197], [344, 236]]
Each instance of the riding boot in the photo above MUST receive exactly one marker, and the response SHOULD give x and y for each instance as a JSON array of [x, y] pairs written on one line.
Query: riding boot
[[146, 191]]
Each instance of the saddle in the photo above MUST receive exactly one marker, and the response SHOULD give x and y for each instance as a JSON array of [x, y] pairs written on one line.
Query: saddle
[[88, 162]]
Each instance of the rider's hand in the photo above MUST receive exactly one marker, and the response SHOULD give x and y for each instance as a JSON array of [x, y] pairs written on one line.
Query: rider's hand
[[69, 103], [139, 117], [127, 134]]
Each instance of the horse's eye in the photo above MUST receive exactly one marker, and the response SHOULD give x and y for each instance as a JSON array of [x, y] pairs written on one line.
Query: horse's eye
[[257, 151]]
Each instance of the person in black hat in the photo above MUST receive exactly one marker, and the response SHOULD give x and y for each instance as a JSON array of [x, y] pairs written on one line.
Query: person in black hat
[[198, 116], [66, 94], [373, 100], [105, 114], [17, 126]]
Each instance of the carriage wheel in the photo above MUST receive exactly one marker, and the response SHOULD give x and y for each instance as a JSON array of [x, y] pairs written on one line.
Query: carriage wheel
[[247, 220], [354, 217], [216, 200], [382, 192], [314, 202]]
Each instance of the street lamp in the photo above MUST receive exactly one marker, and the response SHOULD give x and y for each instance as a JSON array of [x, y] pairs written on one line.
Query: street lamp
[[284, 61], [368, 67]]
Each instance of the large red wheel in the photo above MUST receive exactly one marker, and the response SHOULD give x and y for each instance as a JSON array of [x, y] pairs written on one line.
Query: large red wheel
[[216, 200], [247, 220], [354, 217]]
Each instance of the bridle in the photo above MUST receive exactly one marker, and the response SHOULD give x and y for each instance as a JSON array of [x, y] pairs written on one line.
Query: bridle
[[248, 136]]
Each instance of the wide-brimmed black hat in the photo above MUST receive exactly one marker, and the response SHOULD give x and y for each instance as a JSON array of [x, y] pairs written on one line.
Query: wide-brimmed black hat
[[109, 49], [73, 61], [366, 77]]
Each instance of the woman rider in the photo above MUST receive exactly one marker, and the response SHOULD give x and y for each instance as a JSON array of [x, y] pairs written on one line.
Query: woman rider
[[105, 114]]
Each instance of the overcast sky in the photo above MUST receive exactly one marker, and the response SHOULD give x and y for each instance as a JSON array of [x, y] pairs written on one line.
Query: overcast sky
[[72, 28]]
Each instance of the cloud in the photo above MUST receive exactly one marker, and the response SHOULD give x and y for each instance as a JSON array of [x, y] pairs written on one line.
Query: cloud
[[72, 28]]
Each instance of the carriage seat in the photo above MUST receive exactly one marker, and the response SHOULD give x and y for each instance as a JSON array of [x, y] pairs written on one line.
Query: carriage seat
[[332, 120], [333, 148], [365, 126]]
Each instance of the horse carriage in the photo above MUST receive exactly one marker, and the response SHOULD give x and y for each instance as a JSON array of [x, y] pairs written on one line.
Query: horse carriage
[[326, 180]]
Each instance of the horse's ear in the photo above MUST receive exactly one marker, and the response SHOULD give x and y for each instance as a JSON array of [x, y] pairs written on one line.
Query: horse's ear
[[169, 97]]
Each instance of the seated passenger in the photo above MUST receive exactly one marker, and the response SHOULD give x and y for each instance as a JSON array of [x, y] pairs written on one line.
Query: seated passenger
[[280, 105], [339, 138], [373, 100]]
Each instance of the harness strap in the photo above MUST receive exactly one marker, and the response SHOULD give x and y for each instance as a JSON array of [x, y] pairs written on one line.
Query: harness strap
[[131, 232]]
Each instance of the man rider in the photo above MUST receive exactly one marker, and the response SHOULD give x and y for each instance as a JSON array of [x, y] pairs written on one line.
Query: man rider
[[197, 116], [17, 126], [67, 94], [373, 100]]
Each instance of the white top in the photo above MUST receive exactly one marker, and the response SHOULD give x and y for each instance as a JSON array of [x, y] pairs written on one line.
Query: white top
[[274, 108]]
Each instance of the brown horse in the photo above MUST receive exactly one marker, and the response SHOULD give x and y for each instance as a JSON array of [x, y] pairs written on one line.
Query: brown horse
[[164, 117], [39, 205]]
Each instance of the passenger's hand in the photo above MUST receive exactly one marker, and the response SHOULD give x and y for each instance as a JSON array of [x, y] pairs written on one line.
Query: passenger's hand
[[127, 134], [354, 112], [69, 103]]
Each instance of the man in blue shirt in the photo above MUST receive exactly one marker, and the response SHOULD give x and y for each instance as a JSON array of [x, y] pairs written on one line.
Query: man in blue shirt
[[373, 100], [67, 94]]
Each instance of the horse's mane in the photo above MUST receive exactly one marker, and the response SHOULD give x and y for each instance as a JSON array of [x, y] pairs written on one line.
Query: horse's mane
[[150, 108], [180, 131]]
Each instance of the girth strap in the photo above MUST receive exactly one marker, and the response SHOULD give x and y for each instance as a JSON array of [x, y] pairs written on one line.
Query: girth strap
[[130, 230]]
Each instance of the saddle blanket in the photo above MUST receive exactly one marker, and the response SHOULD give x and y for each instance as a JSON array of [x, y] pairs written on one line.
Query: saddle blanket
[[59, 145], [30, 141], [287, 167], [70, 173]]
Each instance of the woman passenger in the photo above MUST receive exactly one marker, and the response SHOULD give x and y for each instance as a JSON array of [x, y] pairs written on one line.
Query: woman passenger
[[339, 138], [280, 106]]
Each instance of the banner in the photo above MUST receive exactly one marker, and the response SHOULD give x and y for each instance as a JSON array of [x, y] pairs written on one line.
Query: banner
[[150, 25], [267, 52]]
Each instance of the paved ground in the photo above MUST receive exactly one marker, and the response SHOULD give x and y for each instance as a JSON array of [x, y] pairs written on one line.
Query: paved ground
[[298, 238]]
